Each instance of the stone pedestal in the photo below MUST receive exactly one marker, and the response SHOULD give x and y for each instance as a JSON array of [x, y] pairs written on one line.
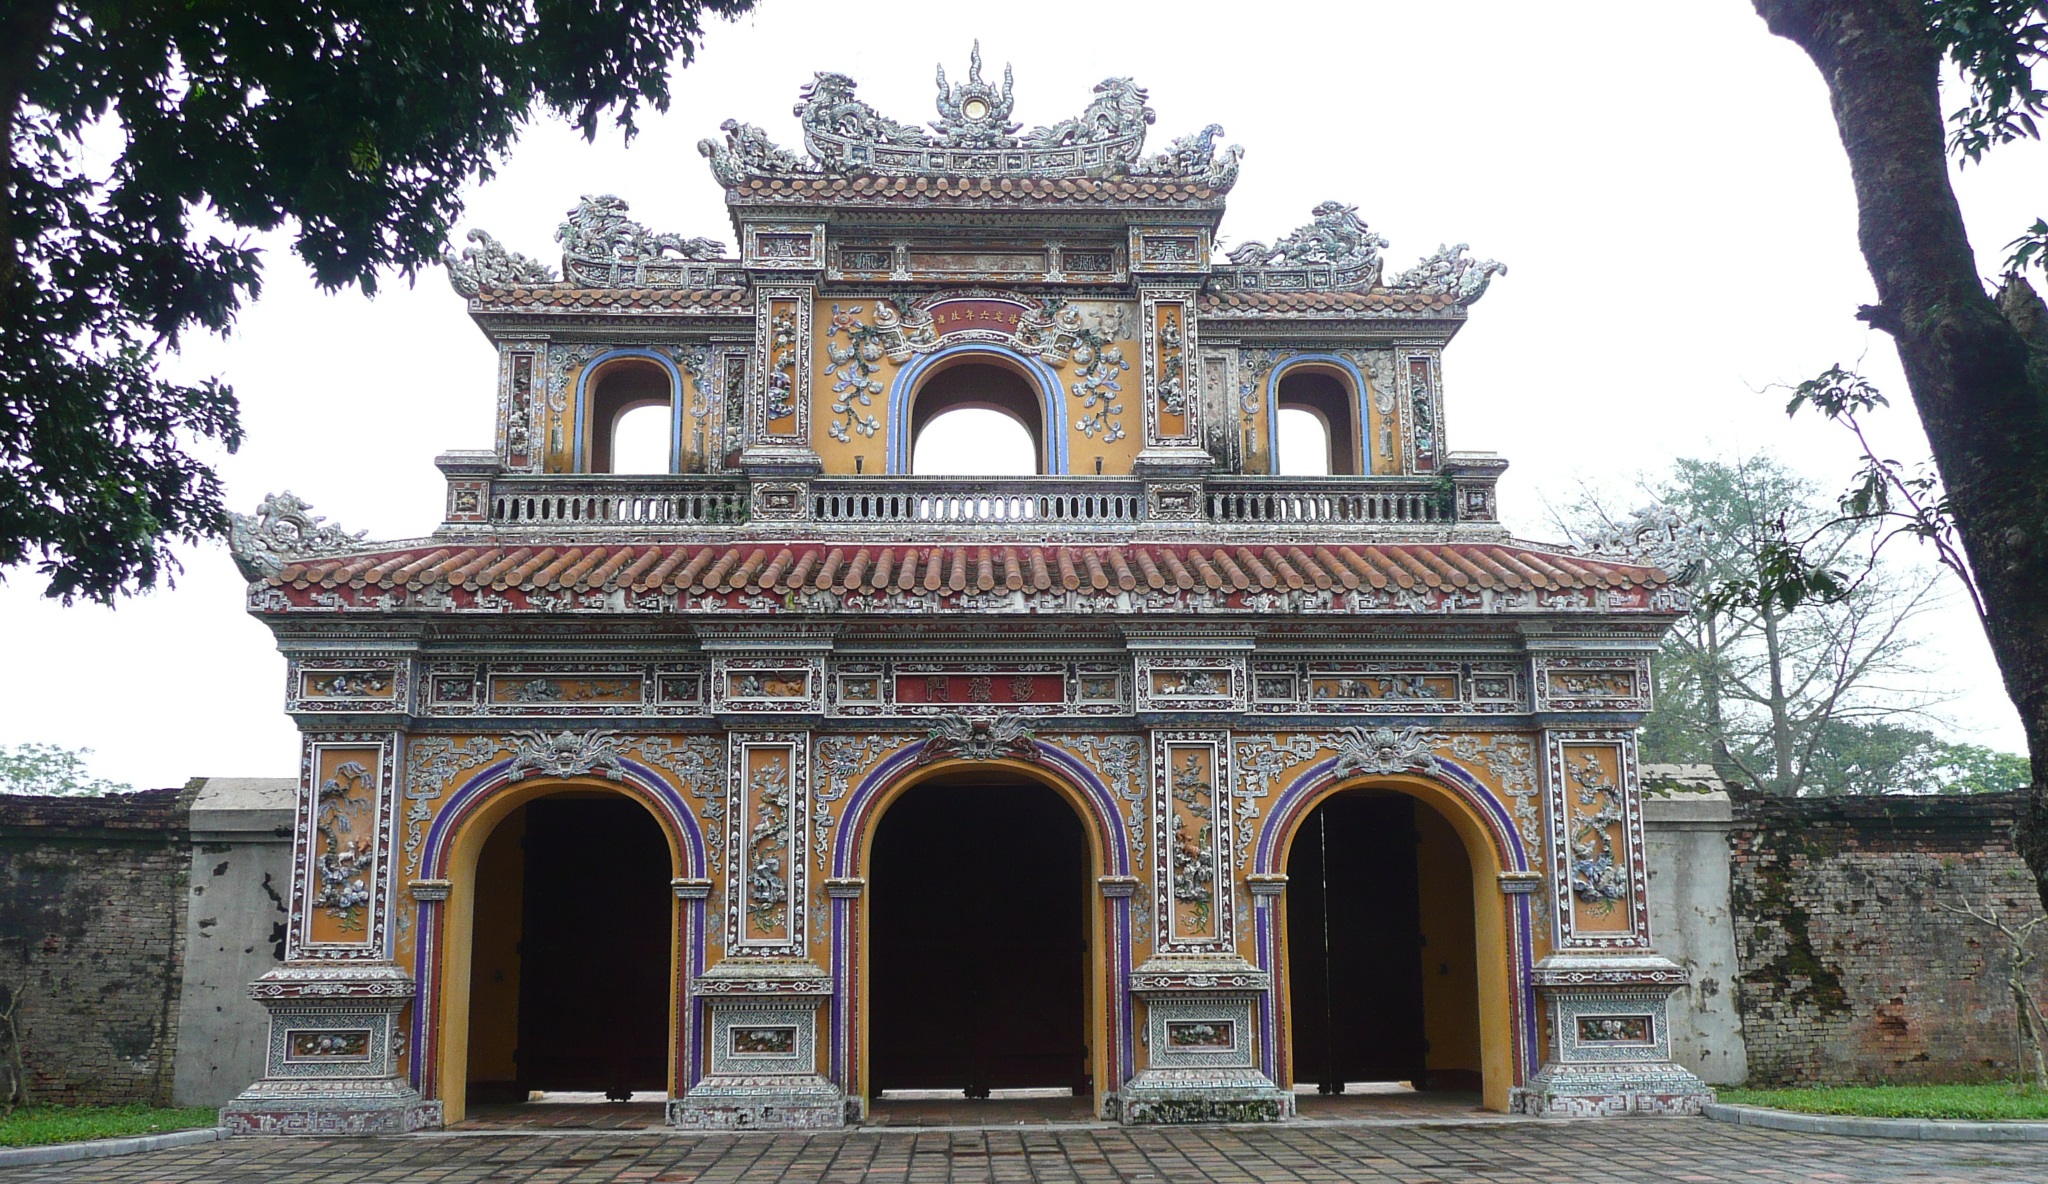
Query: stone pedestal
[[1201, 1065], [1611, 1041], [331, 1066], [763, 1071]]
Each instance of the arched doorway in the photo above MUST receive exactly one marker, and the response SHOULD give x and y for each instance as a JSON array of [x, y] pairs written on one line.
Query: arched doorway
[[1324, 394], [571, 954], [978, 939], [1383, 958]]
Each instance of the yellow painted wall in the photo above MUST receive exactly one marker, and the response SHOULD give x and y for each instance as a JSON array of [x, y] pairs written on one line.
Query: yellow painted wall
[[1450, 961]]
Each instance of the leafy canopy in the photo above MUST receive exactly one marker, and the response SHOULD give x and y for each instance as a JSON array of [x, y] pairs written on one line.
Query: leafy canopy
[[52, 770], [353, 122]]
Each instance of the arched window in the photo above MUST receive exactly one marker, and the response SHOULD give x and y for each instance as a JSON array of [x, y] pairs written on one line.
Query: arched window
[[630, 418], [977, 418], [1325, 396]]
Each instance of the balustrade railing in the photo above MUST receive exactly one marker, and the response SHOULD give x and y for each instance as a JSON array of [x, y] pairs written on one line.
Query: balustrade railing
[[1375, 502], [565, 502], [1039, 501], [618, 501]]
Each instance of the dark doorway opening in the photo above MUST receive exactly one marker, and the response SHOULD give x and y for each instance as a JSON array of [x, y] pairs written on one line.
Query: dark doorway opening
[[978, 940], [1354, 943], [571, 955]]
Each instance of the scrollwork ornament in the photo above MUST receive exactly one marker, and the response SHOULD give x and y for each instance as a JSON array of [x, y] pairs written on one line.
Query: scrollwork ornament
[[1656, 536], [1449, 271], [839, 758], [284, 530], [489, 264], [431, 763]]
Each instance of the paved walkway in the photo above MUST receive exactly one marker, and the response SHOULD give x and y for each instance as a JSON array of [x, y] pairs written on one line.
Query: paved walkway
[[1637, 1151]]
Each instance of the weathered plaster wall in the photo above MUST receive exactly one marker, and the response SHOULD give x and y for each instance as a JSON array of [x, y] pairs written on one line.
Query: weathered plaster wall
[[1687, 837], [92, 894], [239, 880], [1851, 969]]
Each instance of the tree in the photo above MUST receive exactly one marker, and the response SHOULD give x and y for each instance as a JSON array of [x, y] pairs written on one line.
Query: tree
[[51, 770], [1975, 356], [1805, 698], [356, 123]]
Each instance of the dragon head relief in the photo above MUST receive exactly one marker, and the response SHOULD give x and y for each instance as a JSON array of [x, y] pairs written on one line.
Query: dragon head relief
[[282, 531], [1337, 251]]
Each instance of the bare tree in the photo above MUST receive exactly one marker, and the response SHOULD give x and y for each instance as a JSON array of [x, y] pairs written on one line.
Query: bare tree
[[1815, 697], [2030, 1028]]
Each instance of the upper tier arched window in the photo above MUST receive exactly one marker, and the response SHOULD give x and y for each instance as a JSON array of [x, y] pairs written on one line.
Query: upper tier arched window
[[630, 413], [1313, 392], [977, 417]]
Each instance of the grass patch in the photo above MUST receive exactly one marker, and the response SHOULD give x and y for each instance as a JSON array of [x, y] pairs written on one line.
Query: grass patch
[[1991, 1103], [33, 1126]]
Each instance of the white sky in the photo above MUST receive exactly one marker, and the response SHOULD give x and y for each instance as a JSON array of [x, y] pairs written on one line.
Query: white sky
[[1663, 179]]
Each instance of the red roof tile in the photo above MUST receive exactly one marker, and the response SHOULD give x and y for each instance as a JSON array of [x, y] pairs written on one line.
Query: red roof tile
[[791, 568]]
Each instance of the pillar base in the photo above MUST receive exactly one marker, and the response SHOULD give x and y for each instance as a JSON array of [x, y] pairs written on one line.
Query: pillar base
[[1167, 1097], [389, 1107], [1604, 1091], [768, 1103]]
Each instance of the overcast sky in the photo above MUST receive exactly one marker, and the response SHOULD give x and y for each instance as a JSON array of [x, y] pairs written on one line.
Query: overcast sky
[[1663, 180]]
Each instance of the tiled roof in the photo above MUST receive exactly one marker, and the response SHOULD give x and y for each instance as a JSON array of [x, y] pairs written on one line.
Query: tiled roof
[[942, 189], [683, 300], [1379, 300], [788, 568]]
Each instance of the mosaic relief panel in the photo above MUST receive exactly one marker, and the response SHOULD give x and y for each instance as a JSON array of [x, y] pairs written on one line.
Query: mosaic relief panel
[[346, 685], [1193, 836], [1172, 414], [339, 887], [529, 688], [1388, 688], [1424, 413], [767, 842], [781, 414], [1603, 683], [1596, 828], [1190, 683], [769, 685]]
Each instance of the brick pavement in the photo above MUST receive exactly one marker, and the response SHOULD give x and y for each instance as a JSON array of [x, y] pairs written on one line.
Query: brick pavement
[[1689, 1151]]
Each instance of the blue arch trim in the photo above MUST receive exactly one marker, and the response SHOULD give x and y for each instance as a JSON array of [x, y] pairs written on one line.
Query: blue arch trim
[[675, 403], [1358, 397], [904, 390]]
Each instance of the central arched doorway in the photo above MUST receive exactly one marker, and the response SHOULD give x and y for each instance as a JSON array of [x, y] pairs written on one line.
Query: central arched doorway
[[978, 939], [570, 959], [1383, 966]]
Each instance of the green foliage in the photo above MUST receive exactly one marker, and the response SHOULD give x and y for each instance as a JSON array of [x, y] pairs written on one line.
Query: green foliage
[[356, 124], [1987, 1103], [1995, 45], [51, 770], [1973, 768], [33, 1126]]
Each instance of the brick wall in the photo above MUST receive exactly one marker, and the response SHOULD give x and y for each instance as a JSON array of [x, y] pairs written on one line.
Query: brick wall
[[92, 899], [1849, 969]]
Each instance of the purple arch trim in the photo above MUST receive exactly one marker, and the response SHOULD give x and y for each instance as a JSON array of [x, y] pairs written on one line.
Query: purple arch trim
[[674, 811], [1322, 774], [1117, 851]]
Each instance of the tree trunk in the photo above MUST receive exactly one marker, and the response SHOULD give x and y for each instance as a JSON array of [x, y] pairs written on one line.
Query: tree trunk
[[1783, 782], [1981, 391]]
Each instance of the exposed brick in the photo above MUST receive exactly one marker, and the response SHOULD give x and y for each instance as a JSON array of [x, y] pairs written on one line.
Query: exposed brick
[[1850, 969], [92, 898]]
